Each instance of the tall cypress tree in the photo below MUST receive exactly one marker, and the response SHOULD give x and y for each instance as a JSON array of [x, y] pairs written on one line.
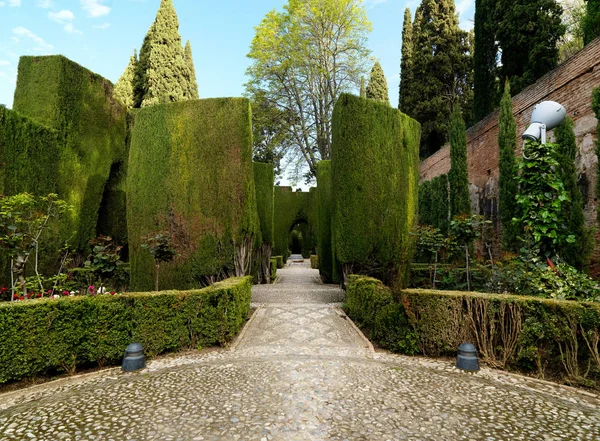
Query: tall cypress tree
[[442, 67], [163, 74], [575, 253], [193, 84], [458, 178], [377, 89], [484, 60], [124, 87], [406, 62], [528, 32], [508, 187], [591, 21]]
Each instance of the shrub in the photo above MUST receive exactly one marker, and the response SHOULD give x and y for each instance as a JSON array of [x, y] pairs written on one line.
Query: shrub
[[279, 260], [375, 173], [314, 261], [48, 336], [191, 174]]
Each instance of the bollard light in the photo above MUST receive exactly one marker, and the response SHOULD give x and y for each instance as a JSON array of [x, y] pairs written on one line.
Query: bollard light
[[134, 359], [467, 358]]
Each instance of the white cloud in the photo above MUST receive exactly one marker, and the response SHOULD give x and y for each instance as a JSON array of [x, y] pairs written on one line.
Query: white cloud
[[61, 17], [71, 29], [103, 26], [11, 3], [372, 3], [45, 4], [4, 63], [42, 46], [95, 8], [15, 39]]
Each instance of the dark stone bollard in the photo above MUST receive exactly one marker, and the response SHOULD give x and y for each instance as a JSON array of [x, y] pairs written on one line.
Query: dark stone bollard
[[467, 358], [134, 359]]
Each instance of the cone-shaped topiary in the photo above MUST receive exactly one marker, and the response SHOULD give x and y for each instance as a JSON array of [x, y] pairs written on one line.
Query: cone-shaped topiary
[[124, 90], [377, 89]]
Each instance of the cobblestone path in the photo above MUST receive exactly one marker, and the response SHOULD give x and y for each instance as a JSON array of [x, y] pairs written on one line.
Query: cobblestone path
[[299, 371]]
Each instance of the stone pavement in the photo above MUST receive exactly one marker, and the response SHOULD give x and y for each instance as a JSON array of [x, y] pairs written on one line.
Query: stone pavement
[[299, 371]]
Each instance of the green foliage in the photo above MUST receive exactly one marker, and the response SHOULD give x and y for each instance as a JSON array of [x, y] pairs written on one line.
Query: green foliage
[[47, 336], [273, 262], [92, 131], [314, 261], [279, 261], [192, 83], [161, 249], [577, 252], [596, 109], [362, 91], [264, 181], [324, 209], [377, 89], [485, 85], [375, 172], [295, 208], [303, 58], [551, 337], [104, 263], [442, 72], [458, 178], [591, 21], [434, 203], [191, 175], [163, 73], [406, 62], [527, 32], [542, 200], [124, 91], [508, 186]]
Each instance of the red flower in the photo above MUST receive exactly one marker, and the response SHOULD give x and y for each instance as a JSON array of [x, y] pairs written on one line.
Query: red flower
[[4, 288], [112, 293], [39, 295], [65, 293], [21, 298]]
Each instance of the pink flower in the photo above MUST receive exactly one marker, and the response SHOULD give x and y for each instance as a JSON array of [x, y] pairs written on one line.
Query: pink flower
[[65, 293], [91, 289]]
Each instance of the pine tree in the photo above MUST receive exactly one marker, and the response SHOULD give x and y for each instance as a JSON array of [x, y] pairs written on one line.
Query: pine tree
[[363, 92], [528, 32], [406, 63], [193, 84], [575, 253], [162, 74], [377, 89], [442, 70], [484, 60], [591, 21], [124, 87], [508, 187], [458, 178]]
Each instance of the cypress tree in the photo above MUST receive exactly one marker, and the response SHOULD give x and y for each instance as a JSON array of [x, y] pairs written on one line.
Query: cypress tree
[[377, 89], [575, 253], [528, 32], [193, 84], [406, 62], [591, 21], [484, 60], [508, 187], [458, 178], [163, 74], [363, 93], [124, 87], [441, 69]]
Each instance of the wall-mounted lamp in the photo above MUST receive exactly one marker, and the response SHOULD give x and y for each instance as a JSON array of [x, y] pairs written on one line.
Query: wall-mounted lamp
[[547, 115]]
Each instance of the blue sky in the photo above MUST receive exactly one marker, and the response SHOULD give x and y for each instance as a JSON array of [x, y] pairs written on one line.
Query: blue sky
[[102, 34]]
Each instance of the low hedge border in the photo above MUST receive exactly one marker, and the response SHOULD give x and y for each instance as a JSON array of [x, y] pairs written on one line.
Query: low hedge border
[[49, 336], [280, 261], [551, 338]]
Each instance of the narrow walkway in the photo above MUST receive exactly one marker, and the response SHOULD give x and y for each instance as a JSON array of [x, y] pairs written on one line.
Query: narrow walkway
[[299, 371]]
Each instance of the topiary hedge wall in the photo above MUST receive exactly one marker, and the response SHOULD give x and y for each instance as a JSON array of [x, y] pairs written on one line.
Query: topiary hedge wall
[[264, 181], [375, 172], [91, 135], [324, 206], [434, 203], [190, 175], [551, 338], [291, 208], [49, 336]]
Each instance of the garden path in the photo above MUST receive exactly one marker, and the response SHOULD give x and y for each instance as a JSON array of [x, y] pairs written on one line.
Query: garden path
[[299, 371]]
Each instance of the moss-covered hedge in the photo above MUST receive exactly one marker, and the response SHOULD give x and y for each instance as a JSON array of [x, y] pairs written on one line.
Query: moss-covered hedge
[[191, 175], [324, 211], [375, 172], [91, 136], [295, 208], [49, 336], [434, 203], [548, 337]]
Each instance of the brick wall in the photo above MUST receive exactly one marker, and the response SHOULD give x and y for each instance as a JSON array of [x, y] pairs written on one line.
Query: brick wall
[[570, 84]]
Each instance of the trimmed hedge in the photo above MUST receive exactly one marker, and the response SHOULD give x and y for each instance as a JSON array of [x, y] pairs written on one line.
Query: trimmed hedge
[[434, 203], [548, 337], [291, 208], [324, 207], [274, 267], [279, 261], [264, 182], [190, 174], [314, 261], [49, 336], [375, 173], [91, 136]]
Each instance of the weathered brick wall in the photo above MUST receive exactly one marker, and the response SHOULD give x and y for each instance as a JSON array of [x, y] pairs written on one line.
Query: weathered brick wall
[[570, 84]]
